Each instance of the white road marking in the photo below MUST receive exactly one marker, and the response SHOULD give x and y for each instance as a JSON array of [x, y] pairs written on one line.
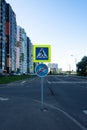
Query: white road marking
[[65, 82], [85, 111], [13, 84], [65, 113], [3, 99], [23, 82], [32, 79]]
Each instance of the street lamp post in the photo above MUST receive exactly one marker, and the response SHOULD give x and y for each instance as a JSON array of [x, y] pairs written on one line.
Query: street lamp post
[[75, 61]]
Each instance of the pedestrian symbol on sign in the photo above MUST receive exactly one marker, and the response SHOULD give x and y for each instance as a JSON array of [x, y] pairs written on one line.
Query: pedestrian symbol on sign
[[42, 54]]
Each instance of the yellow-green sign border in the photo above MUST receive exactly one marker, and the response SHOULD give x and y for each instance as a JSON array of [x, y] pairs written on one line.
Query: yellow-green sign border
[[42, 46]]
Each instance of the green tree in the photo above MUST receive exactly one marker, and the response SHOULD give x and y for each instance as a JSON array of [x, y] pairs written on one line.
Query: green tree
[[82, 67]]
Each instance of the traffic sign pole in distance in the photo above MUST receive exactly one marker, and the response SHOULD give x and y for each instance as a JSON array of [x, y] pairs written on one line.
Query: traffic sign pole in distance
[[41, 53], [41, 71]]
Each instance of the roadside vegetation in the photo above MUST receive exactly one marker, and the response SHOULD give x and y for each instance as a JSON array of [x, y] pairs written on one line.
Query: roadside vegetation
[[82, 67], [9, 79]]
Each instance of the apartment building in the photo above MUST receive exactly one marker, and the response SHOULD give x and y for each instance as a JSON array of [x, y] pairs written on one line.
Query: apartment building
[[16, 49], [7, 37], [30, 64], [28, 53], [10, 33], [2, 35], [21, 50]]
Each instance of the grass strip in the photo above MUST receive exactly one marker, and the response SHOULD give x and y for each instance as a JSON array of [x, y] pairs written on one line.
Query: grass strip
[[9, 79]]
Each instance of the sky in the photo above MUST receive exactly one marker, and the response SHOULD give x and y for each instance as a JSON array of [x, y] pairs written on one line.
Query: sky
[[59, 23]]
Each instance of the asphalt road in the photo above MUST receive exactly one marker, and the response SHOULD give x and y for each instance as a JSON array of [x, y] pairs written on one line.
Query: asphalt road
[[64, 104]]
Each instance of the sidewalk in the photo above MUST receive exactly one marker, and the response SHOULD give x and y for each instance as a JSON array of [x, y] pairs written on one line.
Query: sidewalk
[[24, 114]]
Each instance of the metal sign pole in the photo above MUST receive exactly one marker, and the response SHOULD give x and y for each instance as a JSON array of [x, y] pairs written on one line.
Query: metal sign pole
[[42, 70], [42, 91]]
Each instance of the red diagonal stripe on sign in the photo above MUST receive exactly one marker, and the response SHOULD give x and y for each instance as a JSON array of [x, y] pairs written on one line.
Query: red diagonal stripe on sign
[[42, 69]]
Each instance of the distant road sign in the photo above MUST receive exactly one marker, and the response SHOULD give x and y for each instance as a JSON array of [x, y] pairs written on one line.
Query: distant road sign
[[41, 70], [42, 53]]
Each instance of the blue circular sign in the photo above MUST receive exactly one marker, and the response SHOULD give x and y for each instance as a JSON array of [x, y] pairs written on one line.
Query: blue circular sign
[[41, 70]]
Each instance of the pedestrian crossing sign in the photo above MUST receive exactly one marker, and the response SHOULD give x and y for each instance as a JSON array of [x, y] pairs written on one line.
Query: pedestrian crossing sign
[[41, 53]]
